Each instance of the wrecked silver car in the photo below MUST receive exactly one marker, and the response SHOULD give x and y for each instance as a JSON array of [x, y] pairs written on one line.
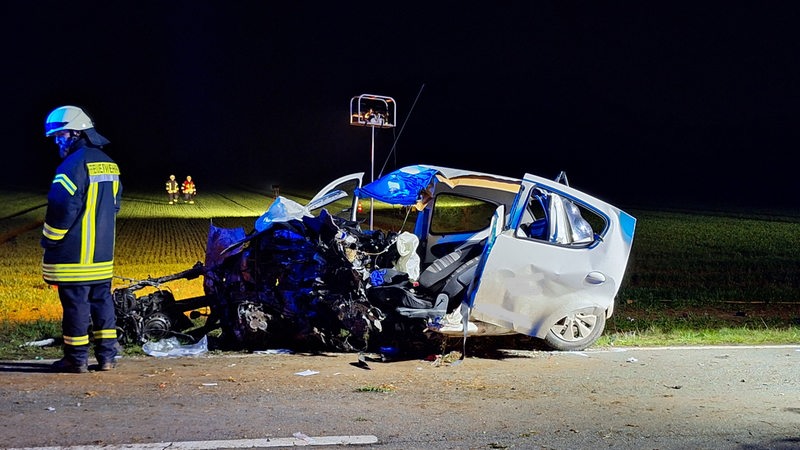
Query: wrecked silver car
[[488, 255]]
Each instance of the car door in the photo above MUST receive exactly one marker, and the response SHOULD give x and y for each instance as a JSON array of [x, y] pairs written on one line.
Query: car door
[[527, 284], [344, 207]]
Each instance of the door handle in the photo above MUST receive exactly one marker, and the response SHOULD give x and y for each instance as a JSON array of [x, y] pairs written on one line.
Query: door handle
[[595, 278]]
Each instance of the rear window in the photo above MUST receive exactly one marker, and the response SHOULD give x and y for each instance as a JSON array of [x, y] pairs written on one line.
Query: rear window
[[553, 218]]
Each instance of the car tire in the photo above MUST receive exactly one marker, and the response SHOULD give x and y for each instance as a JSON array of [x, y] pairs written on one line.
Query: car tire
[[576, 330]]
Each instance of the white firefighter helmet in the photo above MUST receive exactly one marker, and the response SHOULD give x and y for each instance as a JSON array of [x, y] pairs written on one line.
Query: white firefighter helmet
[[67, 118]]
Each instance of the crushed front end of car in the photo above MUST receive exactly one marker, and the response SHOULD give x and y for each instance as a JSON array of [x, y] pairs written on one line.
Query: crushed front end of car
[[299, 283]]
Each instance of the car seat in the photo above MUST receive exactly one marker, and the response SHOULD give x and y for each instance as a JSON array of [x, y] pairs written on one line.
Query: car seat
[[438, 286]]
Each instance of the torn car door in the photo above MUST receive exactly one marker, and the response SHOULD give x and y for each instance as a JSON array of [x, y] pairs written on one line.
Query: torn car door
[[341, 207]]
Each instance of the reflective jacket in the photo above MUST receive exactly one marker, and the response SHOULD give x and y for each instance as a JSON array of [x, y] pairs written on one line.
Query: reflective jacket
[[188, 187], [172, 187], [80, 222]]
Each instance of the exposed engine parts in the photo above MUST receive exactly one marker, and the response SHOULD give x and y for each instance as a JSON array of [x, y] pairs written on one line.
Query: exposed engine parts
[[152, 316], [300, 284]]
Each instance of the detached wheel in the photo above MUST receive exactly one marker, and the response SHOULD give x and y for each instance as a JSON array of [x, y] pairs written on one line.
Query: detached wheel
[[576, 331]]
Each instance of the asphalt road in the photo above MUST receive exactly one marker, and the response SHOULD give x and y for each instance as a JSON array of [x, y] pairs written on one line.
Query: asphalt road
[[657, 398]]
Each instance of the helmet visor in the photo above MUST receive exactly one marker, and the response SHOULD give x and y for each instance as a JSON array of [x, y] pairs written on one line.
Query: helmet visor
[[52, 127]]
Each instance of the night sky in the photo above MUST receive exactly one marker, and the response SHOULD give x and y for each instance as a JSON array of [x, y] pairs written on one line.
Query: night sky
[[651, 104]]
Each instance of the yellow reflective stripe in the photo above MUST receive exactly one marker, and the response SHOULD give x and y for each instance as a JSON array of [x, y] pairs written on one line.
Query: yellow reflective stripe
[[53, 233], [105, 334], [76, 340], [63, 273], [116, 190], [64, 181], [88, 225]]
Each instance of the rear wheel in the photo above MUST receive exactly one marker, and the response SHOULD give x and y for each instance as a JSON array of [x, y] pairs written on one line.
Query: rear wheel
[[576, 330]]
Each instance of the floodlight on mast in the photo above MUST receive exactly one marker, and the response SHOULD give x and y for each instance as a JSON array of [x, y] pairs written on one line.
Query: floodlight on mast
[[374, 111]]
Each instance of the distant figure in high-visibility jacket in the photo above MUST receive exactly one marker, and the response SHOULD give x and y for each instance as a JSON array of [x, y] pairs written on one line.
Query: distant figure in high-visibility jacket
[[189, 190], [173, 190]]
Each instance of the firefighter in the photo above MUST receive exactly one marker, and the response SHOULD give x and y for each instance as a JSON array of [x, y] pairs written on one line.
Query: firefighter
[[78, 239], [172, 190], [188, 189]]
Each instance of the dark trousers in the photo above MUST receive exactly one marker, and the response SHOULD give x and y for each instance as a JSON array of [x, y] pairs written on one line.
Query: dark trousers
[[88, 308]]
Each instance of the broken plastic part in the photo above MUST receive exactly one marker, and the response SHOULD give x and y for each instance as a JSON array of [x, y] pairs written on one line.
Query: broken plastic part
[[173, 347]]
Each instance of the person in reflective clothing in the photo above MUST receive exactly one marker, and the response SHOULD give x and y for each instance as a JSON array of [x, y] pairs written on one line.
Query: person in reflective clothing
[[173, 190], [189, 190], [78, 239]]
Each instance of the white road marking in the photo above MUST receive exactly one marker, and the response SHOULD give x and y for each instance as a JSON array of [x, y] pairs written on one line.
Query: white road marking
[[236, 443], [693, 347], [588, 352]]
